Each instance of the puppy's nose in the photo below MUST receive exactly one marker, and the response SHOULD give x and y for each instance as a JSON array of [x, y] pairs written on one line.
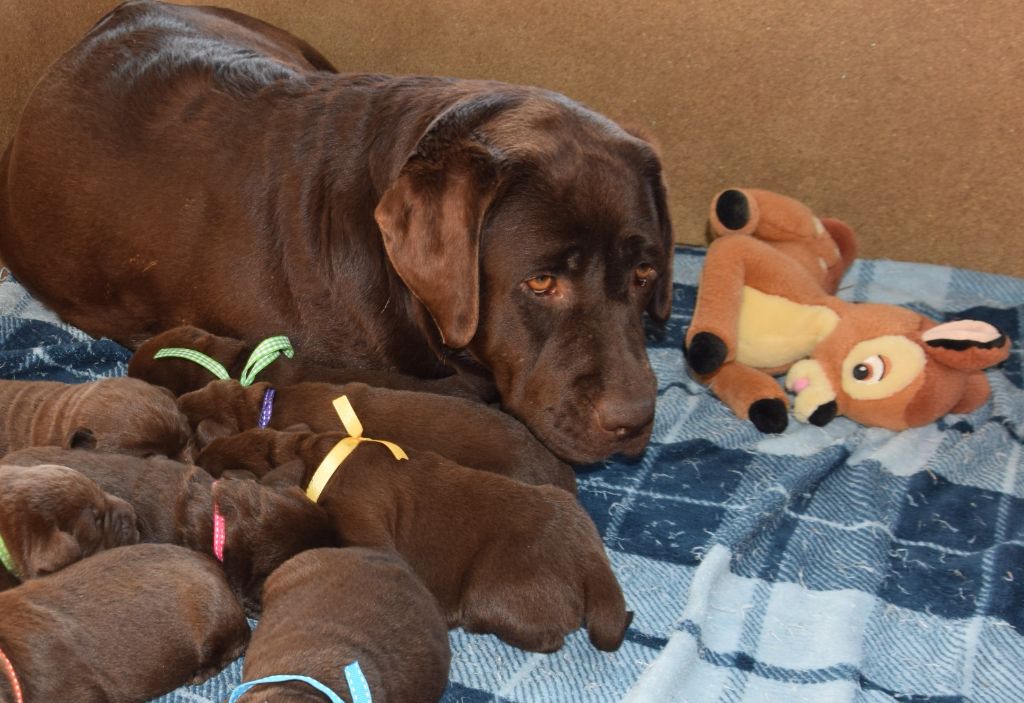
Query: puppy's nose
[[624, 417]]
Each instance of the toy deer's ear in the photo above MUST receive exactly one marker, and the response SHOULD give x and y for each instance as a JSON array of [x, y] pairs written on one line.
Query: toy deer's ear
[[967, 345], [733, 211], [844, 237]]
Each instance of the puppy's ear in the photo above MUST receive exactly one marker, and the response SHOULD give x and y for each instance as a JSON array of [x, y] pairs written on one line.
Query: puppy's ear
[[51, 552], [80, 438], [431, 216]]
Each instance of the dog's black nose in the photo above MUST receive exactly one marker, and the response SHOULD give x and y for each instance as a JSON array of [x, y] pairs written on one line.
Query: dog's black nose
[[624, 417]]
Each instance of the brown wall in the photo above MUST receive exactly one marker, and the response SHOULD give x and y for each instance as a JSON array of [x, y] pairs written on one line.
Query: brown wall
[[903, 118]]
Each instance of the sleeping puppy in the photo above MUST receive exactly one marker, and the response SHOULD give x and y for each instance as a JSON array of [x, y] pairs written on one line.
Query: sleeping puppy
[[52, 516], [113, 414], [327, 608], [264, 526], [181, 375], [123, 626], [523, 562], [468, 433]]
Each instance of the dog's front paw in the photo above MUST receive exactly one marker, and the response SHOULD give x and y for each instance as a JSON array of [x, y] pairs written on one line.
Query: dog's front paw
[[706, 353]]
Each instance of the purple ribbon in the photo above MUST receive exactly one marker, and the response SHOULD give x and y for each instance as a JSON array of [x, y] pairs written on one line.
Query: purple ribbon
[[268, 407]]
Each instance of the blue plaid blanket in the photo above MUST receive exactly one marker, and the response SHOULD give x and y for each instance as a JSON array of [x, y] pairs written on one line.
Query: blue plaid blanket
[[824, 564]]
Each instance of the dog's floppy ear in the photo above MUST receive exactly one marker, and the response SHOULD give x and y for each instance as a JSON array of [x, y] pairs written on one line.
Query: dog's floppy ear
[[51, 552], [660, 306], [431, 215]]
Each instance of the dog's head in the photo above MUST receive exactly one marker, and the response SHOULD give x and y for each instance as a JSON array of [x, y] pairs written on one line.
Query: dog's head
[[181, 375], [128, 416], [221, 409], [536, 233], [264, 527], [52, 516]]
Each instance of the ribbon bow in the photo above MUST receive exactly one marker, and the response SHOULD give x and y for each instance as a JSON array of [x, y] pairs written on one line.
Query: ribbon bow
[[344, 447], [262, 356]]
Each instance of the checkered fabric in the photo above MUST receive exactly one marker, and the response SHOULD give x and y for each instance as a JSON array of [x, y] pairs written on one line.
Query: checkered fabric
[[824, 564]]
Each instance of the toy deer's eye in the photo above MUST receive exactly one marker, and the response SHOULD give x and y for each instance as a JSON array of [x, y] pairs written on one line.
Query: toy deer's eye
[[645, 275], [871, 370], [542, 284]]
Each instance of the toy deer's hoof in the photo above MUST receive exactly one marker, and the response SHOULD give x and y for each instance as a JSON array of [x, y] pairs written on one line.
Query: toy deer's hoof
[[706, 353], [768, 415], [824, 414]]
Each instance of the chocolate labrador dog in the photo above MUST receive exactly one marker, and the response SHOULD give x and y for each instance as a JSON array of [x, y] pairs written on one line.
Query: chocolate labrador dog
[[52, 516], [468, 433], [261, 526], [326, 610], [128, 624], [238, 183], [523, 562], [113, 414]]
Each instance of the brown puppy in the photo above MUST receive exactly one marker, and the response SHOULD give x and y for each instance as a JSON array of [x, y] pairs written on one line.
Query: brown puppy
[[264, 526], [410, 224], [113, 414], [182, 375], [466, 432], [52, 516], [327, 608], [123, 626], [523, 562]]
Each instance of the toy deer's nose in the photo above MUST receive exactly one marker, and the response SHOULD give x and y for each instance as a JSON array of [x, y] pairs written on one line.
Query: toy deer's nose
[[799, 384]]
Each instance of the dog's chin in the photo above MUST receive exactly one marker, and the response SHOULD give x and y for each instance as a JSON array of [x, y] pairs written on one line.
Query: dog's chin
[[593, 445]]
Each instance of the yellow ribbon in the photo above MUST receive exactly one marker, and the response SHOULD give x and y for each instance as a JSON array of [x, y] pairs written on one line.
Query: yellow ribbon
[[325, 472]]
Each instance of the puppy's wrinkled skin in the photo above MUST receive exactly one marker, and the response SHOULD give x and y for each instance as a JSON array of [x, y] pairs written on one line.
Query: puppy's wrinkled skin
[[327, 608], [123, 626], [523, 562], [182, 375], [406, 224], [52, 516], [468, 433], [114, 414], [174, 503]]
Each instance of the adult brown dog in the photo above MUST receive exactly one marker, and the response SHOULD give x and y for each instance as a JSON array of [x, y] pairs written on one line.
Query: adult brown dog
[[52, 516], [523, 562], [112, 414], [236, 182], [263, 526], [468, 433], [128, 624], [327, 608]]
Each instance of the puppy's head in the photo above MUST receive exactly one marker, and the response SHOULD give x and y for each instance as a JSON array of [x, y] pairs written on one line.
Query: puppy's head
[[52, 516], [221, 408], [181, 375], [264, 527], [536, 234], [128, 416], [260, 451]]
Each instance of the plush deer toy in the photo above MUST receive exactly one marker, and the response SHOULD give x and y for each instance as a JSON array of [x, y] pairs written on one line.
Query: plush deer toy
[[765, 307]]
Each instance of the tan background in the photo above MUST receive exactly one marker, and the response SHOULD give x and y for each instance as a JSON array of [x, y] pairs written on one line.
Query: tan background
[[903, 118]]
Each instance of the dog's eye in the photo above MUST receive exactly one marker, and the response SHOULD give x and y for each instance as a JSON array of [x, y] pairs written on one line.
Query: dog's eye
[[871, 370], [541, 284], [645, 275]]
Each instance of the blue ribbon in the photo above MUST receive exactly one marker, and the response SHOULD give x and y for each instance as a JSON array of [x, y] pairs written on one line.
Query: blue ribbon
[[357, 685]]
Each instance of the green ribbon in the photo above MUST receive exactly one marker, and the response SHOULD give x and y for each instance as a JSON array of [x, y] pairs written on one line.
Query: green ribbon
[[262, 356], [5, 558]]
